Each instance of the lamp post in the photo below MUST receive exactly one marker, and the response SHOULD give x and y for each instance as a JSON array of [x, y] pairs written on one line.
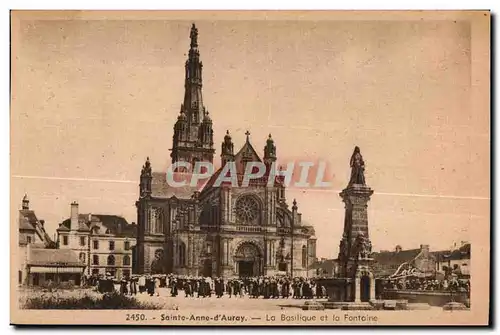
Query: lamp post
[[294, 212]]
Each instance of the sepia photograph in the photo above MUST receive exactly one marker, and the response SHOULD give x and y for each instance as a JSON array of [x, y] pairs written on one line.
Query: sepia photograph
[[273, 168]]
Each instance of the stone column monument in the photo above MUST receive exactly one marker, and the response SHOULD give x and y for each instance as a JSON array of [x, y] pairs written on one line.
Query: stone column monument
[[355, 245]]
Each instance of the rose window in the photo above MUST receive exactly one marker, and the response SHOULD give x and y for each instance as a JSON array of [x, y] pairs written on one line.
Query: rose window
[[247, 209]]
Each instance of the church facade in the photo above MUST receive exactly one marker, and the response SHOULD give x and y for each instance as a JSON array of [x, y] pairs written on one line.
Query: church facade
[[219, 229]]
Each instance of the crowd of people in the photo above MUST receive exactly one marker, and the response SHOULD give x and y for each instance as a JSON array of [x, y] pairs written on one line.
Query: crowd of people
[[281, 287], [424, 284], [204, 287], [254, 287]]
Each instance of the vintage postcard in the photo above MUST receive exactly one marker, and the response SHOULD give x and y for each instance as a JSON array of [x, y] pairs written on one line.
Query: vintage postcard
[[250, 168]]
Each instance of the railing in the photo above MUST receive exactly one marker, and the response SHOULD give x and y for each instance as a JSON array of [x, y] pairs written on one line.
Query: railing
[[249, 229], [240, 228]]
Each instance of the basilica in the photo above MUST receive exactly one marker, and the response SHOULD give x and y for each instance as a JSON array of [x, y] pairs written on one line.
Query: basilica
[[217, 230]]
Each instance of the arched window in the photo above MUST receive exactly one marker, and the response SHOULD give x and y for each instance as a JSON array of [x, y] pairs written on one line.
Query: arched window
[[304, 256], [159, 221], [82, 257], [156, 220], [126, 260], [111, 260], [283, 219], [181, 252]]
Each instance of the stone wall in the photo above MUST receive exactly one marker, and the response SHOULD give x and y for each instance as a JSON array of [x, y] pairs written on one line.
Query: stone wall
[[430, 297]]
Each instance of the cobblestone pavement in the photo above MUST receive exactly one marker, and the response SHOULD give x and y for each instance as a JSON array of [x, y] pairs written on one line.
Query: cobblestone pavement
[[214, 303]]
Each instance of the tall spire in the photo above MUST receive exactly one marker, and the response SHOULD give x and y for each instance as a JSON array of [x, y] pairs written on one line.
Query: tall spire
[[193, 133], [193, 99], [194, 36]]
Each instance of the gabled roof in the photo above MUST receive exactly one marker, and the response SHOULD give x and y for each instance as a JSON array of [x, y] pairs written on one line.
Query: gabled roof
[[247, 151], [113, 224], [62, 227], [246, 154], [53, 257]]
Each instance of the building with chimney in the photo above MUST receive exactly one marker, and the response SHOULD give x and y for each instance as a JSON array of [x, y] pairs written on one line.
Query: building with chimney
[[387, 263], [217, 230], [40, 263], [104, 243]]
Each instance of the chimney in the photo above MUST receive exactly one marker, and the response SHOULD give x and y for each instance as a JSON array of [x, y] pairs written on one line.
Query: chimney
[[424, 248], [74, 216]]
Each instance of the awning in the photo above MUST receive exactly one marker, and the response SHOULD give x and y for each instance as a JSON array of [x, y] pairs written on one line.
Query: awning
[[48, 269]]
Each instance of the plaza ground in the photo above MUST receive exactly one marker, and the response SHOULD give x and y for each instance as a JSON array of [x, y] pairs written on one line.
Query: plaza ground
[[181, 303]]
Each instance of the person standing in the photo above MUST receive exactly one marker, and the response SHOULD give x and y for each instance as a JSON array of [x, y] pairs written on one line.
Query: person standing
[[173, 288], [133, 286], [150, 284], [142, 284], [123, 287], [201, 288], [157, 286], [188, 289]]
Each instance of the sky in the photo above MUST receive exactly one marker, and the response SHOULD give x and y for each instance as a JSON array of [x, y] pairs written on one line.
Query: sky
[[91, 99]]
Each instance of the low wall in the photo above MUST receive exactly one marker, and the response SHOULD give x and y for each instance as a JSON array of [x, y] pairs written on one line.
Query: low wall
[[433, 298]]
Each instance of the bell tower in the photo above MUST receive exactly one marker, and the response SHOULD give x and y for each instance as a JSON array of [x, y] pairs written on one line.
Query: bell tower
[[193, 133]]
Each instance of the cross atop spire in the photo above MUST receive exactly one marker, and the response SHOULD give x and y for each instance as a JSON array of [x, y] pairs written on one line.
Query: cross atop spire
[[248, 136]]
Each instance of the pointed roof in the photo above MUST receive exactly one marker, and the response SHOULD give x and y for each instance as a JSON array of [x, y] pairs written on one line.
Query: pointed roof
[[247, 153]]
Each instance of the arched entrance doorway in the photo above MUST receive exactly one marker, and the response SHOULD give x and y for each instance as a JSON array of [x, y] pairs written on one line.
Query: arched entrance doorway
[[247, 260], [207, 268], [365, 284]]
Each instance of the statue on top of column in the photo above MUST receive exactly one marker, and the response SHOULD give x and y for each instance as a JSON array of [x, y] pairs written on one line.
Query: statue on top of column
[[357, 168]]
